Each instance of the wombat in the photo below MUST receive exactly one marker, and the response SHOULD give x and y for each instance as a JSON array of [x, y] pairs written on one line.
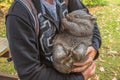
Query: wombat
[[71, 43]]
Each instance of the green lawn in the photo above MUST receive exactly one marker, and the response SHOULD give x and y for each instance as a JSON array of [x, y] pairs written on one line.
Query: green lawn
[[7, 67], [108, 18], [2, 27], [108, 63]]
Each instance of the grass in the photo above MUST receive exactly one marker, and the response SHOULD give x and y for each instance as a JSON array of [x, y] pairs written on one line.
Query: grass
[[2, 28], [7, 67], [108, 19], [108, 63]]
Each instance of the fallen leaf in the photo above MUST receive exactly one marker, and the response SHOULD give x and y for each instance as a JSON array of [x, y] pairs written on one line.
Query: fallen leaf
[[114, 73], [96, 77], [102, 69], [114, 78], [101, 60]]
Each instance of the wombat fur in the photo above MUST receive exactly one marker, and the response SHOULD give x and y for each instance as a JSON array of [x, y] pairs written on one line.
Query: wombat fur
[[71, 43]]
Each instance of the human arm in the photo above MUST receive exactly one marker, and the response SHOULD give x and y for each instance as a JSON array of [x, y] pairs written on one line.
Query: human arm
[[23, 45]]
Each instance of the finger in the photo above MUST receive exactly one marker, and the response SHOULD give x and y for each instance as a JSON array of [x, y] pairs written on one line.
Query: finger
[[93, 68], [88, 51], [79, 69], [87, 62], [89, 72], [91, 52]]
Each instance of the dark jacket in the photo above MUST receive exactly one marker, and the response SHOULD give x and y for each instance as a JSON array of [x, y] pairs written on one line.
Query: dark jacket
[[27, 47]]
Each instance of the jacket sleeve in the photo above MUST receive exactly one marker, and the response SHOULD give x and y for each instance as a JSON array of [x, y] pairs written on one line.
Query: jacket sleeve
[[23, 46], [96, 40]]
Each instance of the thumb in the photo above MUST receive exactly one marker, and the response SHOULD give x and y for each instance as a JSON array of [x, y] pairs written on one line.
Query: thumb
[[88, 51]]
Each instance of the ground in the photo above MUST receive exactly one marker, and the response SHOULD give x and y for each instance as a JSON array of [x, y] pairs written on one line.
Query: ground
[[108, 63]]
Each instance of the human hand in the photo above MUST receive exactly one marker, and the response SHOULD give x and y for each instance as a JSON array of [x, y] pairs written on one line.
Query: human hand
[[82, 66], [87, 67], [89, 72]]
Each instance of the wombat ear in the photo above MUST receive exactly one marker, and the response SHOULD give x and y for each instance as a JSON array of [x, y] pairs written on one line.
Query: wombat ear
[[93, 19]]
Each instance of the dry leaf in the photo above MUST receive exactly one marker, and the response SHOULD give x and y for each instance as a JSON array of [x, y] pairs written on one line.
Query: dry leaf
[[102, 69], [101, 60], [114, 73], [114, 78], [96, 77]]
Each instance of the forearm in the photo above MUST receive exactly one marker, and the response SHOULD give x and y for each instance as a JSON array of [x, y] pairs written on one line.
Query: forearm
[[96, 40]]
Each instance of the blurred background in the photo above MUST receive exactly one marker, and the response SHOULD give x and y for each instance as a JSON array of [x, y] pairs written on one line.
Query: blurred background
[[108, 19]]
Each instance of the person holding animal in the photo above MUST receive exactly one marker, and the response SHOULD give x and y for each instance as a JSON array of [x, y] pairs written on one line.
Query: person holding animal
[[31, 26]]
